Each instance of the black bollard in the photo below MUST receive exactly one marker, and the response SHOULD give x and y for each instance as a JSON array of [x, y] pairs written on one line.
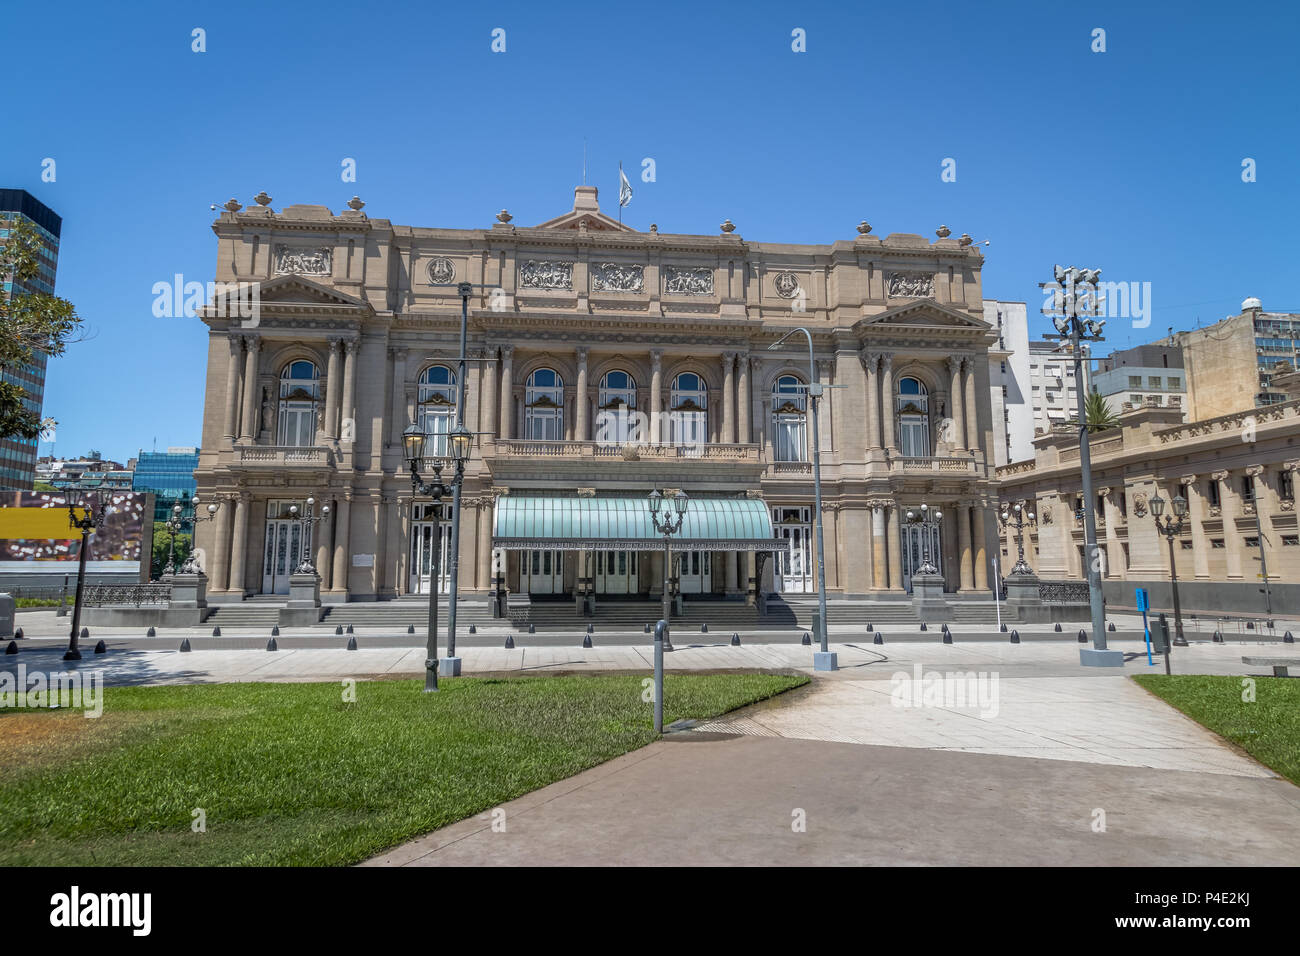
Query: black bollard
[[510, 642], [1003, 628], [735, 639], [590, 629], [216, 632], [338, 630], [1058, 627], [350, 631], [473, 628], [185, 646], [18, 633], [271, 645], [275, 630], [85, 633], [1287, 638], [647, 629], [947, 637], [807, 639], [352, 643], [1250, 625], [11, 647], [704, 627], [869, 628], [923, 627], [151, 633], [101, 647], [532, 628], [1218, 637], [1083, 636], [879, 638], [586, 640], [1110, 626], [1015, 637], [410, 629]]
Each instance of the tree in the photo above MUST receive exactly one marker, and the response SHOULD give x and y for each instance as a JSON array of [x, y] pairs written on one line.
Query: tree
[[43, 486], [29, 323], [1097, 413], [162, 545]]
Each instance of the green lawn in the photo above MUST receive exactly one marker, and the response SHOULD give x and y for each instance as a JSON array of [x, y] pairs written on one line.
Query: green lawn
[[1268, 729], [291, 774]]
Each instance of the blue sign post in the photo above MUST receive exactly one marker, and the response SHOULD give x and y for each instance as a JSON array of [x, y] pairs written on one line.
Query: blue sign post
[[1143, 604]]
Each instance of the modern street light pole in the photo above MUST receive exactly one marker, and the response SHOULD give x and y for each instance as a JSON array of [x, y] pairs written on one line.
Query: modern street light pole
[[825, 660], [1075, 303], [1263, 555], [667, 523], [86, 524], [1171, 528]]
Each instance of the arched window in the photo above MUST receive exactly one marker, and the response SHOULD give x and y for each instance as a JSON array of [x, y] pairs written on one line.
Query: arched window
[[912, 404], [789, 421], [544, 406], [688, 403], [299, 393], [436, 408], [616, 421]]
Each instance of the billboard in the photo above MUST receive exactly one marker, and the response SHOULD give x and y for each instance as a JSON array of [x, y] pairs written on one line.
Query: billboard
[[36, 538]]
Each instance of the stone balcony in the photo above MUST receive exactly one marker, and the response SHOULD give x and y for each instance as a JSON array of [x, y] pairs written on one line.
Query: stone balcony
[[528, 459], [281, 457], [935, 466]]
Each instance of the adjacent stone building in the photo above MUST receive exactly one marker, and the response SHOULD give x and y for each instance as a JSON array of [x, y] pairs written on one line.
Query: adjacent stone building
[[603, 362]]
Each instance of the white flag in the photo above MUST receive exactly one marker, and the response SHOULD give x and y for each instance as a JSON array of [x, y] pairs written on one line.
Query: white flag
[[624, 187]]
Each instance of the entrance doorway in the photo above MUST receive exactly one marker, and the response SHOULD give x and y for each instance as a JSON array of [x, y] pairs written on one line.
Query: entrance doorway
[[919, 542], [793, 571], [424, 538], [696, 573], [283, 553], [542, 572], [617, 572]]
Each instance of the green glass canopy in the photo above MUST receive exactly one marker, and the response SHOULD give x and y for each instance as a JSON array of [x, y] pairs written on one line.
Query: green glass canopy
[[623, 524]]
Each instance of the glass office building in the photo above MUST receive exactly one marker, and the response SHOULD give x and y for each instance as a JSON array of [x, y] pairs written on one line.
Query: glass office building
[[170, 476], [18, 455]]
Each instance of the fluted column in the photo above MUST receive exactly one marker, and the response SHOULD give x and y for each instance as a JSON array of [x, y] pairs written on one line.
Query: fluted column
[[483, 576], [248, 423], [1115, 563], [745, 435], [398, 410], [972, 407], [871, 364], [656, 396], [488, 410], [981, 549], [334, 387], [1266, 501], [757, 402], [1196, 517], [322, 536], [879, 536], [231, 430], [239, 548], [347, 414], [967, 559], [728, 397], [397, 544], [894, 544], [507, 391], [342, 528], [956, 401], [219, 566], [887, 409], [582, 427]]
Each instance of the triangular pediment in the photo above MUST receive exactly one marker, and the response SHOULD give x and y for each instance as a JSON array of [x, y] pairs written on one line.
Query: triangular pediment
[[585, 215], [924, 314], [294, 289]]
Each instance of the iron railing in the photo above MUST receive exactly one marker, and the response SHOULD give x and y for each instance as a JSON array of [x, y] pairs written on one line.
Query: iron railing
[[127, 595]]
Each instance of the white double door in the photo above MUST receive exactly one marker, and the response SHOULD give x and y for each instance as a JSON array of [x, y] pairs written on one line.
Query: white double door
[[424, 540], [919, 543], [696, 572], [283, 552], [618, 572], [794, 566], [542, 572]]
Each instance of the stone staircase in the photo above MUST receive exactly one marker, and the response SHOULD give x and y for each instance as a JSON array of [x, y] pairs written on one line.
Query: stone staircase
[[248, 614]]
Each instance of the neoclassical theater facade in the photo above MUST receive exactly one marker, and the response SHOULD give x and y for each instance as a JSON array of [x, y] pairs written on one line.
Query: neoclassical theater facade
[[603, 362]]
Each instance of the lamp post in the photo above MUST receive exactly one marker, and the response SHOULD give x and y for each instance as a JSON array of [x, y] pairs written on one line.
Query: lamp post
[[667, 522], [1022, 518], [1171, 527], [176, 522], [308, 520], [1074, 304], [413, 441], [191, 564], [86, 525], [927, 519], [825, 660]]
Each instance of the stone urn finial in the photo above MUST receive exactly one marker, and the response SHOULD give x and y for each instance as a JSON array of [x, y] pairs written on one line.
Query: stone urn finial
[[233, 205], [943, 232], [728, 227], [262, 199], [654, 228], [965, 240], [864, 227], [504, 216], [355, 204]]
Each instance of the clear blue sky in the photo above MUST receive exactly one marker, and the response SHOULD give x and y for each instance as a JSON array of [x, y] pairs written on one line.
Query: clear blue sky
[[1128, 160]]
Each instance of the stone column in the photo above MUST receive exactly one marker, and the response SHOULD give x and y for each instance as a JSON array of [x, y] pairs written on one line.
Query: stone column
[[1266, 498], [397, 545], [398, 410], [894, 545], [728, 398], [1230, 499], [1196, 515], [731, 579], [878, 538], [582, 429], [248, 424], [231, 430], [334, 387], [507, 391], [239, 548], [347, 413], [342, 527], [742, 402], [871, 364], [321, 537], [487, 420], [963, 516], [1115, 562], [887, 414], [656, 396], [981, 549], [483, 581], [956, 402], [972, 407], [219, 566], [826, 411], [757, 403]]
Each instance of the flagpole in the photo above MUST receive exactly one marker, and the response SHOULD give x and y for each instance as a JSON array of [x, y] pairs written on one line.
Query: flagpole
[[620, 192]]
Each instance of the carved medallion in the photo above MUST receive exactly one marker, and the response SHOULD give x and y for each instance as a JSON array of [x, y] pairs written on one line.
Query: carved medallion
[[615, 277], [306, 262], [787, 285], [441, 271], [679, 280], [545, 274], [911, 285]]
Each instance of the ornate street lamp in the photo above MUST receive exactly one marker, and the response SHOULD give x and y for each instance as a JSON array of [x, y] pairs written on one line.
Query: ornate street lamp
[[175, 523], [458, 443], [1172, 527], [667, 521], [86, 525], [191, 563], [926, 519], [309, 519], [1075, 303], [1021, 519]]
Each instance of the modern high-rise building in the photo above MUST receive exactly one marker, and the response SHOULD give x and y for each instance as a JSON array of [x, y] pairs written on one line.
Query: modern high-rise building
[[1230, 364], [170, 476], [1013, 410], [1143, 375], [1054, 394], [18, 455]]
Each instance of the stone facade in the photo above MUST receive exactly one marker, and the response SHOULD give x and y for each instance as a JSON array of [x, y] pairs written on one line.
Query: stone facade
[[356, 333]]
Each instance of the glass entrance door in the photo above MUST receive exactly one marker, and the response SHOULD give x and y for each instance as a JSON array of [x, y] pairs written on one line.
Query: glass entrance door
[[542, 572], [793, 572], [282, 553], [424, 538], [696, 574], [917, 538], [617, 572]]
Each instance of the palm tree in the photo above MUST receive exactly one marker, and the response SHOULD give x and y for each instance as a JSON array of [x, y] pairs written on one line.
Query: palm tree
[[1097, 413]]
